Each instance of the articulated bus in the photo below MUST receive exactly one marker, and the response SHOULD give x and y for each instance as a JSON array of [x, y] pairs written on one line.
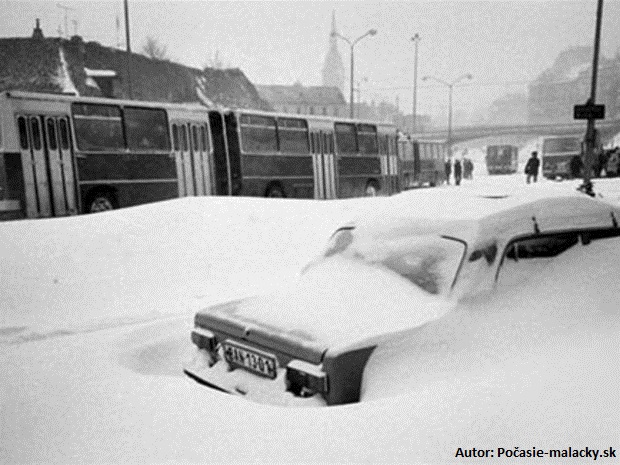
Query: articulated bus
[[422, 162], [502, 159], [62, 155]]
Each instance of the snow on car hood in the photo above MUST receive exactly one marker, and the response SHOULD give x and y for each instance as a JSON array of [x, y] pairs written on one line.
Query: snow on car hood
[[341, 302]]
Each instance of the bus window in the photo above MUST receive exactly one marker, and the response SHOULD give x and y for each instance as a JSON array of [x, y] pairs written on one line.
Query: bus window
[[204, 138], [367, 138], [258, 134], [175, 137], [98, 127], [23, 132], [51, 134], [293, 134], [36, 133], [146, 129], [64, 134], [345, 138], [184, 141]]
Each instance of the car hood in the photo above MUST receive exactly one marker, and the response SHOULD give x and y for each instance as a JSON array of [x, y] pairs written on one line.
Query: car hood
[[337, 302]]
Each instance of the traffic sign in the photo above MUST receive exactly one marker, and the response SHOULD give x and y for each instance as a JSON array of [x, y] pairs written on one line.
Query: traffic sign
[[589, 111]]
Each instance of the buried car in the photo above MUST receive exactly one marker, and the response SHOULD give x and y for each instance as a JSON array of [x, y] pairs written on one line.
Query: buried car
[[406, 263]]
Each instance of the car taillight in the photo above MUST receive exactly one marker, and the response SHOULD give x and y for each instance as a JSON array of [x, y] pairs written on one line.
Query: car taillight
[[305, 379], [204, 339]]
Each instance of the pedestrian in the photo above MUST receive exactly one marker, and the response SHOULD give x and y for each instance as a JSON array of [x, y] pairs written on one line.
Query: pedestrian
[[531, 168], [458, 172], [448, 168], [575, 166], [471, 169], [613, 163]]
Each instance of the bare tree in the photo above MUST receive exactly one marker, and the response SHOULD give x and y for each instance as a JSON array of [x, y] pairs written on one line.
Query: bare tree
[[153, 49], [215, 62]]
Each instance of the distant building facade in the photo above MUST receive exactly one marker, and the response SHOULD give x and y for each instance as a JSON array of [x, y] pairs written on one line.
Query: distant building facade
[[41, 64], [554, 93], [509, 109], [333, 69], [298, 99]]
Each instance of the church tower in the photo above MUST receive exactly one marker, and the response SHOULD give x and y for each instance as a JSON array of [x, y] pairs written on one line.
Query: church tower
[[333, 69]]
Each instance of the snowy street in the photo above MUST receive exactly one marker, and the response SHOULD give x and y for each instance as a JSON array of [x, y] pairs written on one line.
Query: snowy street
[[97, 311]]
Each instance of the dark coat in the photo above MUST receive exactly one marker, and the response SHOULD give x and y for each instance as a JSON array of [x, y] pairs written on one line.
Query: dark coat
[[532, 166], [457, 168]]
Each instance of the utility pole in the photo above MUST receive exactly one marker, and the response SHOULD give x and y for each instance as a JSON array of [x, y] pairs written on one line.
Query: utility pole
[[128, 44], [415, 39], [587, 187]]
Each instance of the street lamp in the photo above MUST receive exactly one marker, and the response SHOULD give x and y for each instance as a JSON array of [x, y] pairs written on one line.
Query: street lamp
[[415, 39], [128, 45], [358, 89], [370, 32], [450, 85]]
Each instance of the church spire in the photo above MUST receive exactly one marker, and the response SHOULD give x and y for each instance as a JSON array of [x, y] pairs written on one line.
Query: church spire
[[333, 69]]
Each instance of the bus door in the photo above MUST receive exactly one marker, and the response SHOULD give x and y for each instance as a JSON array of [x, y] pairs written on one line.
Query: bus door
[[317, 165], [185, 155], [196, 159], [234, 152], [221, 165], [60, 162], [385, 171], [393, 168], [36, 180], [205, 159], [329, 164]]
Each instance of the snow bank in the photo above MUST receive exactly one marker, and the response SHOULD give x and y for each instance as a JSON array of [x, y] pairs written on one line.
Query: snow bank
[[516, 369]]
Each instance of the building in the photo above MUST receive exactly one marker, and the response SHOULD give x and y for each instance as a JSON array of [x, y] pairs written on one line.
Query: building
[[333, 69], [509, 109], [41, 64], [558, 89], [297, 99]]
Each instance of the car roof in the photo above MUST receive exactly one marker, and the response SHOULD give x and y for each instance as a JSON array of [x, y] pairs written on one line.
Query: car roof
[[474, 217]]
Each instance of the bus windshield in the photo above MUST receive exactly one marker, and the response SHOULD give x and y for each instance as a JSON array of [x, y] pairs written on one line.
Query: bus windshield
[[562, 145]]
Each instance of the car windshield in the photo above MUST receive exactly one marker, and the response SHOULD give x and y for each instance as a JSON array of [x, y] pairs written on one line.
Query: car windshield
[[431, 262]]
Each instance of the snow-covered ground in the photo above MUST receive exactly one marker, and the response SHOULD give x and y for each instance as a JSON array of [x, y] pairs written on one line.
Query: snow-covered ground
[[95, 314]]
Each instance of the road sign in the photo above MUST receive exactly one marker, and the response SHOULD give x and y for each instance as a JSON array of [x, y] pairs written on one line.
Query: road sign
[[589, 111]]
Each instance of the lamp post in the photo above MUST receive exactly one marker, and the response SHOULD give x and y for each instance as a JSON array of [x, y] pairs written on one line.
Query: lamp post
[[450, 86], [128, 45], [358, 89], [415, 39], [370, 32]]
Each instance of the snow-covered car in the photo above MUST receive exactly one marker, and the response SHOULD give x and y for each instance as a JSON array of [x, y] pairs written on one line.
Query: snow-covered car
[[408, 262]]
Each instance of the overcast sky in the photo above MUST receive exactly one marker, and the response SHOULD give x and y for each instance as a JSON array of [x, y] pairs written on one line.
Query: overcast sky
[[502, 44]]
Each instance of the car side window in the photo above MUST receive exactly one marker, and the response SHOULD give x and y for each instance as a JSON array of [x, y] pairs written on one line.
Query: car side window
[[525, 257]]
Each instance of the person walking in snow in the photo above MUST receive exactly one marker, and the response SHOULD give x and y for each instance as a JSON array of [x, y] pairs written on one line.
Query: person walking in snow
[[448, 168], [458, 172], [531, 168]]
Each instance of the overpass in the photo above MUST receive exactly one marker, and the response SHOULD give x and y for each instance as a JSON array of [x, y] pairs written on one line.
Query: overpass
[[606, 128]]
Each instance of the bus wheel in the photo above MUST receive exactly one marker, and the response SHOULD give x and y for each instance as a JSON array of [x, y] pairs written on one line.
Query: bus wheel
[[372, 189], [275, 192], [100, 201]]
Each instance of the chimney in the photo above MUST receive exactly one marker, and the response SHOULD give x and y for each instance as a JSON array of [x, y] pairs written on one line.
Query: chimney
[[37, 33]]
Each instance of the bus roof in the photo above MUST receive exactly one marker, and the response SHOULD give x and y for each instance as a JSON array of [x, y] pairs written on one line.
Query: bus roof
[[67, 98]]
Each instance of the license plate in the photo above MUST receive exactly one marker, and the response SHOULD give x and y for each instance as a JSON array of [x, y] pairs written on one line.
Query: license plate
[[254, 360]]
